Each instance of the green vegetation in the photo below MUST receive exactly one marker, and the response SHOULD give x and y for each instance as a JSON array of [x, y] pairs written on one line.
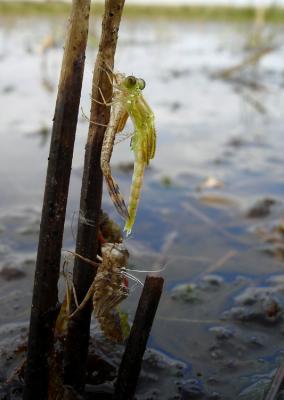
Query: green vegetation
[[207, 13], [33, 8], [220, 13]]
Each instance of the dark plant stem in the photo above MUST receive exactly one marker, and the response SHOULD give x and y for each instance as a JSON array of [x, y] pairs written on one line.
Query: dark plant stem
[[276, 383], [91, 195], [130, 366], [45, 297]]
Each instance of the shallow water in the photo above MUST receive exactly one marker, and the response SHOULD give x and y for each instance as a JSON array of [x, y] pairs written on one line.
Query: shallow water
[[207, 127]]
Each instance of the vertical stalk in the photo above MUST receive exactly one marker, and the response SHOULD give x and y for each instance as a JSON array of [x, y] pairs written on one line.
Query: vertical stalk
[[45, 294], [130, 366], [91, 195]]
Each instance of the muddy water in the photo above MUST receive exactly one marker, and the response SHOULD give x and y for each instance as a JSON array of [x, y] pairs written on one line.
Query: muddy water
[[219, 329]]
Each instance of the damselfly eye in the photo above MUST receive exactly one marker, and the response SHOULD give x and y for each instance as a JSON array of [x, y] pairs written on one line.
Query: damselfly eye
[[141, 84], [130, 81]]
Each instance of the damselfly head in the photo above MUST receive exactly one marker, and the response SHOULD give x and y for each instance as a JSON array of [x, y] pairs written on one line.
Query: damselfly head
[[131, 82], [141, 84]]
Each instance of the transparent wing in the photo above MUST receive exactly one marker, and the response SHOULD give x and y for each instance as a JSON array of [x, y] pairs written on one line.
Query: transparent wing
[[147, 132], [123, 136], [122, 121]]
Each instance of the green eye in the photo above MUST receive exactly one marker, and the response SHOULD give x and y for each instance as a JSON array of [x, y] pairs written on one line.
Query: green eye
[[141, 84], [130, 81]]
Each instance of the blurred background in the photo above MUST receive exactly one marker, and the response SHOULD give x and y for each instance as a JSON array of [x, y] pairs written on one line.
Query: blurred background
[[211, 211]]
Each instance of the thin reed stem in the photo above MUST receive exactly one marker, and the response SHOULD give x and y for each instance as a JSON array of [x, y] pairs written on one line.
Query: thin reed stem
[[45, 296], [90, 204]]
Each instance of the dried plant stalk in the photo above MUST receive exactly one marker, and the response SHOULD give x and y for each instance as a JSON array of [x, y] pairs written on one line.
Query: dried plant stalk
[[45, 296], [91, 194]]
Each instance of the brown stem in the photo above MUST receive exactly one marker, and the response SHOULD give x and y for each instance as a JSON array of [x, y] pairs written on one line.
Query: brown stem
[[91, 195], [45, 296], [276, 383], [130, 366]]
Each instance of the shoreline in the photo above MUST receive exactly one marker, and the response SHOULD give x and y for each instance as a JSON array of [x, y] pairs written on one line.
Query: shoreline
[[184, 12]]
